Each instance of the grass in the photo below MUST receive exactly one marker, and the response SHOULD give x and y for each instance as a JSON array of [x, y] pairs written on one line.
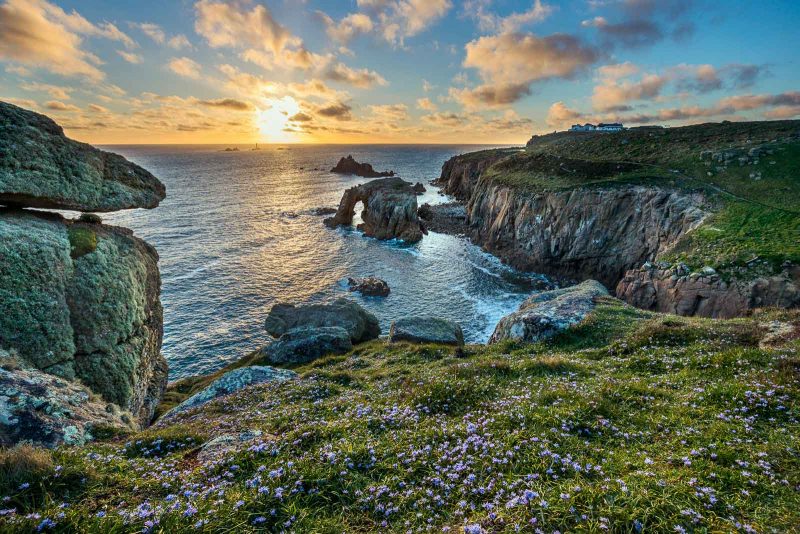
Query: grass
[[630, 422], [82, 241]]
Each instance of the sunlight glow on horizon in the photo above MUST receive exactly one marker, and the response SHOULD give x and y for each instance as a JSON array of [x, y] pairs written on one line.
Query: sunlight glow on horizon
[[274, 120]]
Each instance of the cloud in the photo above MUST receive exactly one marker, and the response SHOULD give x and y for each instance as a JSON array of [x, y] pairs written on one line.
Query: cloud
[[748, 102], [56, 91], [348, 27], [228, 103], [491, 22], [491, 95], [264, 41], [96, 108], [615, 95], [510, 62], [390, 112], [362, 78], [783, 112], [400, 19], [336, 110], [510, 121], [156, 33], [55, 105], [630, 33], [559, 115], [426, 104], [21, 102], [183, 66], [130, 57], [445, 119], [526, 58], [301, 117], [39, 34]]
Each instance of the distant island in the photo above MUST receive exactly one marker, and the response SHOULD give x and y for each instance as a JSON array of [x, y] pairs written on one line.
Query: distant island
[[349, 165]]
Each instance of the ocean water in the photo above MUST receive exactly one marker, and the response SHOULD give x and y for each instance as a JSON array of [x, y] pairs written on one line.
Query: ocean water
[[236, 235]]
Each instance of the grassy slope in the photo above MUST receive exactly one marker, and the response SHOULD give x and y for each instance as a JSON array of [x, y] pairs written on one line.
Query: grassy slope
[[755, 218], [631, 420]]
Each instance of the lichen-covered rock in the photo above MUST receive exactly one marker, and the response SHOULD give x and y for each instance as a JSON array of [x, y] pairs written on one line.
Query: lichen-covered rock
[[231, 382], [426, 330], [81, 300], [674, 289], [548, 313], [390, 210], [359, 323], [369, 286], [304, 344], [42, 168], [47, 410]]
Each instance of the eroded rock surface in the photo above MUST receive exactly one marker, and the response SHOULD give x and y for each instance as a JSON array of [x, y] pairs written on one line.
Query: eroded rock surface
[[358, 322], [674, 289], [81, 301], [349, 165], [47, 410], [231, 382], [390, 210], [41, 168], [304, 344], [546, 314], [426, 330]]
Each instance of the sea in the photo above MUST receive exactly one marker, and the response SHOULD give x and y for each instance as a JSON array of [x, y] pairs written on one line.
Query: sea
[[237, 233]]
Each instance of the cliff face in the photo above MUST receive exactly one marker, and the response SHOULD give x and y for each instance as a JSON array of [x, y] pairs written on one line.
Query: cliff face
[[672, 289], [81, 300], [581, 233], [460, 174]]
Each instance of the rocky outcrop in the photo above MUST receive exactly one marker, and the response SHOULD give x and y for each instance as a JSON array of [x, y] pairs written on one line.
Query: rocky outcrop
[[305, 344], [349, 165], [358, 322], [369, 286], [460, 174], [586, 233], [390, 210], [42, 168], [418, 188], [674, 289], [46, 410], [426, 330], [231, 382], [81, 301], [449, 218], [549, 313]]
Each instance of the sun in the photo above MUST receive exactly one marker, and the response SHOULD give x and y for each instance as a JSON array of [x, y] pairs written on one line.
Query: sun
[[273, 119]]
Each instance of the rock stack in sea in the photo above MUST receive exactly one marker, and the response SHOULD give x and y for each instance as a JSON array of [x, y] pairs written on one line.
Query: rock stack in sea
[[80, 299]]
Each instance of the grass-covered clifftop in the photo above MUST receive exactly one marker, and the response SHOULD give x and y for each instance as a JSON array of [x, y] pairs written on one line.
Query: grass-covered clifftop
[[630, 421], [749, 171]]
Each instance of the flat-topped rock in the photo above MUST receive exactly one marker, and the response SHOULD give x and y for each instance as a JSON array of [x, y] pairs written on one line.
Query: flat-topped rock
[[349, 165], [550, 312], [426, 330], [390, 210], [358, 322], [41, 168]]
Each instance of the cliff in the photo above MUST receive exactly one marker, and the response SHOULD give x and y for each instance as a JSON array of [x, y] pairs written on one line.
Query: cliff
[[80, 299], [718, 196]]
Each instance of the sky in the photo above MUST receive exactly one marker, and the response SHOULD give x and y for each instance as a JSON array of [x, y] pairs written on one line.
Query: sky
[[393, 71]]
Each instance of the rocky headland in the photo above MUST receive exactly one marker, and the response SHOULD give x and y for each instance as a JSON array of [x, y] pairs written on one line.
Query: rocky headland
[[611, 207], [390, 210]]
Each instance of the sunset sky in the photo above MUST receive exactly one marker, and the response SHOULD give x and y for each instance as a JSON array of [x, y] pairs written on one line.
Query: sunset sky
[[397, 71]]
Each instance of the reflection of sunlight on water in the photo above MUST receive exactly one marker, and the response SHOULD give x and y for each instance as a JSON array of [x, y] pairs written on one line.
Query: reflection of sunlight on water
[[236, 235]]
